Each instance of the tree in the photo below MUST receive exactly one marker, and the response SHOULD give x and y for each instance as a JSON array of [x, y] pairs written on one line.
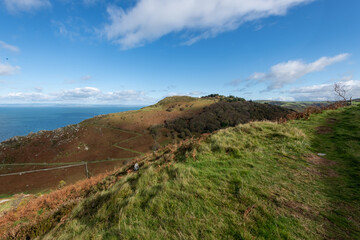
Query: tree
[[341, 91]]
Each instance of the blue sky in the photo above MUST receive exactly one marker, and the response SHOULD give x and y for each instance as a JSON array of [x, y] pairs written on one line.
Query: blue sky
[[136, 52]]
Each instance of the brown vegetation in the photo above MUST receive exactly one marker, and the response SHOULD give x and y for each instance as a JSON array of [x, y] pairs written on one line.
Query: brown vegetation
[[110, 141], [312, 110], [46, 211], [31, 210], [105, 142]]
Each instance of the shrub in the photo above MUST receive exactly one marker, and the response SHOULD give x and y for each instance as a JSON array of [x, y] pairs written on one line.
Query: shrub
[[61, 184], [230, 112]]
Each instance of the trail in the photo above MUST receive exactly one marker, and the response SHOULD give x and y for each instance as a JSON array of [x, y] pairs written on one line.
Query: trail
[[75, 164], [40, 170], [125, 140], [4, 200]]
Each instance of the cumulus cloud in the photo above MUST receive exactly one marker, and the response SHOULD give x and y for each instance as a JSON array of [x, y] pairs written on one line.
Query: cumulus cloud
[[25, 5], [9, 47], [89, 95], [80, 93], [325, 92], [149, 20], [7, 69], [288, 72]]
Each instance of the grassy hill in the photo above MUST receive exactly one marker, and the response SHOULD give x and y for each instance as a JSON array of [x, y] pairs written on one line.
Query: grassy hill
[[104, 143], [40, 161], [297, 106], [259, 180]]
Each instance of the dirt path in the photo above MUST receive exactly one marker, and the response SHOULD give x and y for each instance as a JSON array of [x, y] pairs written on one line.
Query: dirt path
[[40, 170], [4, 200], [75, 164]]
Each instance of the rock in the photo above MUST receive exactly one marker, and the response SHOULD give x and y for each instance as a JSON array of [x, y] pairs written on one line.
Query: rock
[[136, 167]]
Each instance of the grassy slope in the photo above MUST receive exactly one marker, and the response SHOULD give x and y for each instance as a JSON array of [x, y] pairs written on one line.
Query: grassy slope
[[342, 145], [297, 106], [108, 140], [251, 181], [155, 114]]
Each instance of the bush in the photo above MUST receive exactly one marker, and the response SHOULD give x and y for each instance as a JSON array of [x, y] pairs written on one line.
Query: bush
[[61, 184], [224, 114]]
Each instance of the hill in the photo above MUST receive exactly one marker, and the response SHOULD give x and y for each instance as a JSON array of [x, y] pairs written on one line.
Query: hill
[[297, 106], [40, 161], [297, 180]]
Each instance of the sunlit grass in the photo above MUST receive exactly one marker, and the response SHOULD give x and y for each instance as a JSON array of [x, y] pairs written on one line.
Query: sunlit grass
[[253, 181], [244, 183]]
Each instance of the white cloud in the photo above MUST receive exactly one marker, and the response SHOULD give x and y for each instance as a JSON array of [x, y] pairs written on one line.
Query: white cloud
[[285, 99], [74, 28], [190, 94], [85, 95], [70, 29], [131, 96], [149, 20], [9, 47], [7, 69], [288, 72], [78, 93], [25, 5], [325, 92], [26, 97]]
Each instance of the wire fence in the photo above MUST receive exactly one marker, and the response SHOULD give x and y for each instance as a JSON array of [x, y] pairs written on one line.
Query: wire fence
[[75, 165]]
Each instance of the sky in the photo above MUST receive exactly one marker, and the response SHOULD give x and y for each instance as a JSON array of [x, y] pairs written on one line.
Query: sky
[[136, 52]]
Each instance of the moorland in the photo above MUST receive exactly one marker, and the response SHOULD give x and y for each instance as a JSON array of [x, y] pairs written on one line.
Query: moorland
[[210, 168]]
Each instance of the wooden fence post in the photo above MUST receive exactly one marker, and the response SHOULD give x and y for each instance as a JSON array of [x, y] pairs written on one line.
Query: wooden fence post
[[87, 170]]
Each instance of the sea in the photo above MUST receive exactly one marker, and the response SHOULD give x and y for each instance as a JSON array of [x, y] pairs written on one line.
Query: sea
[[20, 121]]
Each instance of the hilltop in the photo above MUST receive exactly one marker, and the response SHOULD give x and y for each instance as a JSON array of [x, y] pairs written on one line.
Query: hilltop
[[295, 180], [41, 161]]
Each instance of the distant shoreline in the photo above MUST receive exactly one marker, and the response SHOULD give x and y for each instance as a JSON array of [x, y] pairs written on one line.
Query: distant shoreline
[[17, 121]]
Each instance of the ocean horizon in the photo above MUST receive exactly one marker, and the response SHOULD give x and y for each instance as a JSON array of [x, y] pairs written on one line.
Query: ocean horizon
[[20, 120]]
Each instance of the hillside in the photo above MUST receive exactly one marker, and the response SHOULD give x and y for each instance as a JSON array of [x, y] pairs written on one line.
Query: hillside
[[258, 180], [297, 106], [39, 161]]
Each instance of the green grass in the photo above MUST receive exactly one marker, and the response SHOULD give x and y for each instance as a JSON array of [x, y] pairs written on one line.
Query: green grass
[[254, 181], [342, 145], [5, 196], [297, 106], [5, 206]]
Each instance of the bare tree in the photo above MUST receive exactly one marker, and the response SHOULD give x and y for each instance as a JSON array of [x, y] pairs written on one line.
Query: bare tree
[[341, 91]]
